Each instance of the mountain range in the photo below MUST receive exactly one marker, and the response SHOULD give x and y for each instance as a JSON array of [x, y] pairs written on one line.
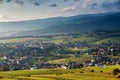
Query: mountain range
[[79, 23]]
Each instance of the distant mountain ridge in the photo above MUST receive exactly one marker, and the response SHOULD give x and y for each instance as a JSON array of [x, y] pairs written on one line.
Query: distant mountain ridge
[[79, 23]]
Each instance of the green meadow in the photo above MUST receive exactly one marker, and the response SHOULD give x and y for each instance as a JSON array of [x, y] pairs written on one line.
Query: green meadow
[[85, 73], [96, 39]]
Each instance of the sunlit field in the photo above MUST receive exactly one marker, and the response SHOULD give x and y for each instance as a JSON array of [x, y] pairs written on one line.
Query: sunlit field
[[87, 73]]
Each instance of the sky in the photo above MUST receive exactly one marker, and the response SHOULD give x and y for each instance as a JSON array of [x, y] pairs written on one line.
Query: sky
[[17, 10]]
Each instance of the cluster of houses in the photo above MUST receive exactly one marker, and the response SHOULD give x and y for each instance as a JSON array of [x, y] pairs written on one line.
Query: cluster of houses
[[34, 55], [106, 55]]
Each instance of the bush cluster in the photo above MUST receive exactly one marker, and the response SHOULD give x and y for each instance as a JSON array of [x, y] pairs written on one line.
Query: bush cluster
[[116, 71]]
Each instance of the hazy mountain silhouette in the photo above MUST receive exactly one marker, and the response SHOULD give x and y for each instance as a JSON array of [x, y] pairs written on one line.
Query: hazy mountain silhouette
[[79, 23]]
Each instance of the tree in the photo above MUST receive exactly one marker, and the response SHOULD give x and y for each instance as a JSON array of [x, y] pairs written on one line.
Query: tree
[[116, 71]]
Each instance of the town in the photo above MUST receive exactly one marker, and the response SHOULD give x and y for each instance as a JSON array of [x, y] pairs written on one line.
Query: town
[[67, 51]]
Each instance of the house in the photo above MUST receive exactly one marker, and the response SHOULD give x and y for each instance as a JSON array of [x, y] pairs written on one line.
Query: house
[[33, 67], [63, 67]]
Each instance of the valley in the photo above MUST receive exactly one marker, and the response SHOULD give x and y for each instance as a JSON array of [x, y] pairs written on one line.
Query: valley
[[73, 50], [59, 39]]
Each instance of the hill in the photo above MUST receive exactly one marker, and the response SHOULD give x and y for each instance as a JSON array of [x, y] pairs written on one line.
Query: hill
[[79, 23]]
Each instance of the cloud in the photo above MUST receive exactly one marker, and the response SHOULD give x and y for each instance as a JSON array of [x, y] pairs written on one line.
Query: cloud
[[38, 2], [77, 0], [66, 0], [71, 0], [9, 1], [53, 5], [93, 5], [5, 17], [89, 4], [1, 1], [85, 3], [16, 2], [69, 8], [111, 4], [65, 9], [19, 2]]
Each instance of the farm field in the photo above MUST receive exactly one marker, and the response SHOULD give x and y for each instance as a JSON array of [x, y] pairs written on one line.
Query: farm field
[[62, 74], [95, 39], [82, 58], [18, 40]]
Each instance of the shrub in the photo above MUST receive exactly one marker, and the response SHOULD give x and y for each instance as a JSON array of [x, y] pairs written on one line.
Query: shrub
[[101, 71], [1, 77], [116, 71], [118, 76], [81, 72], [92, 70], [58, 73], [28, 76]]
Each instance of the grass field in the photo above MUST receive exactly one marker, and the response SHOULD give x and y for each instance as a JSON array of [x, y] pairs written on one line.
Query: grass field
[[81, 59], [61, 74], [116, 40], [17, 40], [65, 39]]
